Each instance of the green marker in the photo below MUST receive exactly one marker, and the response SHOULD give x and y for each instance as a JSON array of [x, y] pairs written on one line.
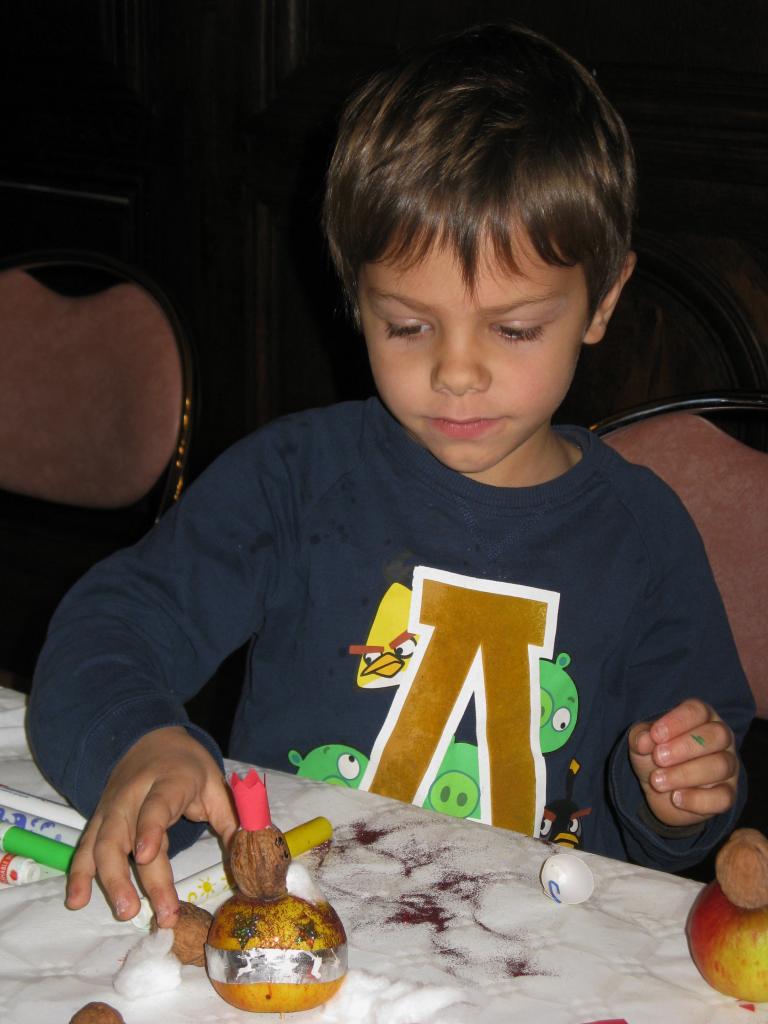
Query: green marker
[[40, 848], [697, 739]]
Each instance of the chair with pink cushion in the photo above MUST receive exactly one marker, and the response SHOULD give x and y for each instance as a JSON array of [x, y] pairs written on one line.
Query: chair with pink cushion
[[95, 418], [723, 482]]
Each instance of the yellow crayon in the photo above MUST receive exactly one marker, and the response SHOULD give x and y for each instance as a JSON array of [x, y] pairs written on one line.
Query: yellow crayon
[[311, 833]]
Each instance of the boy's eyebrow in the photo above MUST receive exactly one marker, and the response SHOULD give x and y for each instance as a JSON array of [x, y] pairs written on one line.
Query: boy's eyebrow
[[405, 300]]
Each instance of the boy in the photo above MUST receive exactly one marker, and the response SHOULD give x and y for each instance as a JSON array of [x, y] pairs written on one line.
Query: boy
[[417, 572]]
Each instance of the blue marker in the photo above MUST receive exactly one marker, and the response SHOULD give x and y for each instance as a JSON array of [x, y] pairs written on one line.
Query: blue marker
[[42, 825]]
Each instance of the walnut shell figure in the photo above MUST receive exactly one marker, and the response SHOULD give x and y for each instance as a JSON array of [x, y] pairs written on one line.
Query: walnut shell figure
[[270, 950], [189, 934], [741, 868], [259, 862], [97, 1013]]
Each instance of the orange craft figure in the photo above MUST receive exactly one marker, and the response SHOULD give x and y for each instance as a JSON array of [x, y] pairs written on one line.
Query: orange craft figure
[[269, 949]]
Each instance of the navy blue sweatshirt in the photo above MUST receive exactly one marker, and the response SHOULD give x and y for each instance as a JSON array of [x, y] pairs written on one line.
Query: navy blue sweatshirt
[[478, 650]]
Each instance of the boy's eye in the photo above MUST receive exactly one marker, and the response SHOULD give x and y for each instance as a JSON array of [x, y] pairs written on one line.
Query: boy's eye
[[403, 330], [520, 333]]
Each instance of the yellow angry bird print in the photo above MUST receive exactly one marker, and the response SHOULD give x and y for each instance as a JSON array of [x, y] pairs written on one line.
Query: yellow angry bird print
[[389, 646]]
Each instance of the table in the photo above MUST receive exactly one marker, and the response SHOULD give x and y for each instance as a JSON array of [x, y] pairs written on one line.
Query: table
[[446, 921]]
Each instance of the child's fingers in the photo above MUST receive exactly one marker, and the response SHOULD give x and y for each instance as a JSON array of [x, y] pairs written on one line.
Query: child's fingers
[[704, 801], [694, 744], [81, 873], [640, 739], [218, 810], [162, 807], [157, 882], [691, 714], [79, 887], [711, 770], [686, 763], [110, 854]]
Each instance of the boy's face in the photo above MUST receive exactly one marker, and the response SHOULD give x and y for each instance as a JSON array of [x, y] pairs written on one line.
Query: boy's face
[[475, 377]]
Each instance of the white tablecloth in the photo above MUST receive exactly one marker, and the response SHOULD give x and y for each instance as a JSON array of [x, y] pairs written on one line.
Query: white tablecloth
[[452, 910]]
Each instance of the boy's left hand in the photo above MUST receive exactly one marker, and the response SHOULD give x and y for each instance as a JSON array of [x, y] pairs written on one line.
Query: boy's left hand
[[686, 762]]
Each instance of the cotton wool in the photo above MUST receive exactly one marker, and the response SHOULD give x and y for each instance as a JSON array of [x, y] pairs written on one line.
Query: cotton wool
[[150, 967]]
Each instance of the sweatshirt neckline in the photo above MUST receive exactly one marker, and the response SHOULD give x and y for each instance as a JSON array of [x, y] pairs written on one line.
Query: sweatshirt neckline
[[422, 465]]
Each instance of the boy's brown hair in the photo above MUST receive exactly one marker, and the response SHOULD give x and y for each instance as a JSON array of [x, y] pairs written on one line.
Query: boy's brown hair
[[485, 137]]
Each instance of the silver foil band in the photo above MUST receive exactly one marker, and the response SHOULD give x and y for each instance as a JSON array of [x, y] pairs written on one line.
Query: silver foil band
[[276, 966]]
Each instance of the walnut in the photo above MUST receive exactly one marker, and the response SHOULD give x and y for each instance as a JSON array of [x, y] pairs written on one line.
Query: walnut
[[189, 934], [97, 1013], [259, 861], [742, 869]]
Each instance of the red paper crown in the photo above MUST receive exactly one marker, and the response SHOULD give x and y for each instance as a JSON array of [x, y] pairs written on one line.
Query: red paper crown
[[251, 801]]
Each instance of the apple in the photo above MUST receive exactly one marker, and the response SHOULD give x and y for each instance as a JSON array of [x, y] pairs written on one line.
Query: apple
[[287, 923], [727, 927]]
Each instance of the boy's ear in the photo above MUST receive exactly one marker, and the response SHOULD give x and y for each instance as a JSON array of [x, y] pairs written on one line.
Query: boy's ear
[[604, 311]]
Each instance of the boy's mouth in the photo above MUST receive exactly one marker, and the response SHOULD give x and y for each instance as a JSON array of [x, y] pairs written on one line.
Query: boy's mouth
[[466, 429]]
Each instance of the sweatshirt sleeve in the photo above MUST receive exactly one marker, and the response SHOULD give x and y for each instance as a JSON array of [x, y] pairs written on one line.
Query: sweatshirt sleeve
[[141, 632], [683, 648]]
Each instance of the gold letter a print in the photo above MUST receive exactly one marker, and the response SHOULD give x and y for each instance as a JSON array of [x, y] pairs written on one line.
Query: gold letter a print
[[476, 638]]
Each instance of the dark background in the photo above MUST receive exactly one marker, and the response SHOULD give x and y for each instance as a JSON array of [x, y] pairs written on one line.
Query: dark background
[[189, 138]]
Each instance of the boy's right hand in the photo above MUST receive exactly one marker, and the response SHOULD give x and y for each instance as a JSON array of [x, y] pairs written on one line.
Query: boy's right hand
[[165, 775]]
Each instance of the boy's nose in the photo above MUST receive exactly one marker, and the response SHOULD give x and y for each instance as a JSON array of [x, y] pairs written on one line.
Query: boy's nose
[[458, 368]]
